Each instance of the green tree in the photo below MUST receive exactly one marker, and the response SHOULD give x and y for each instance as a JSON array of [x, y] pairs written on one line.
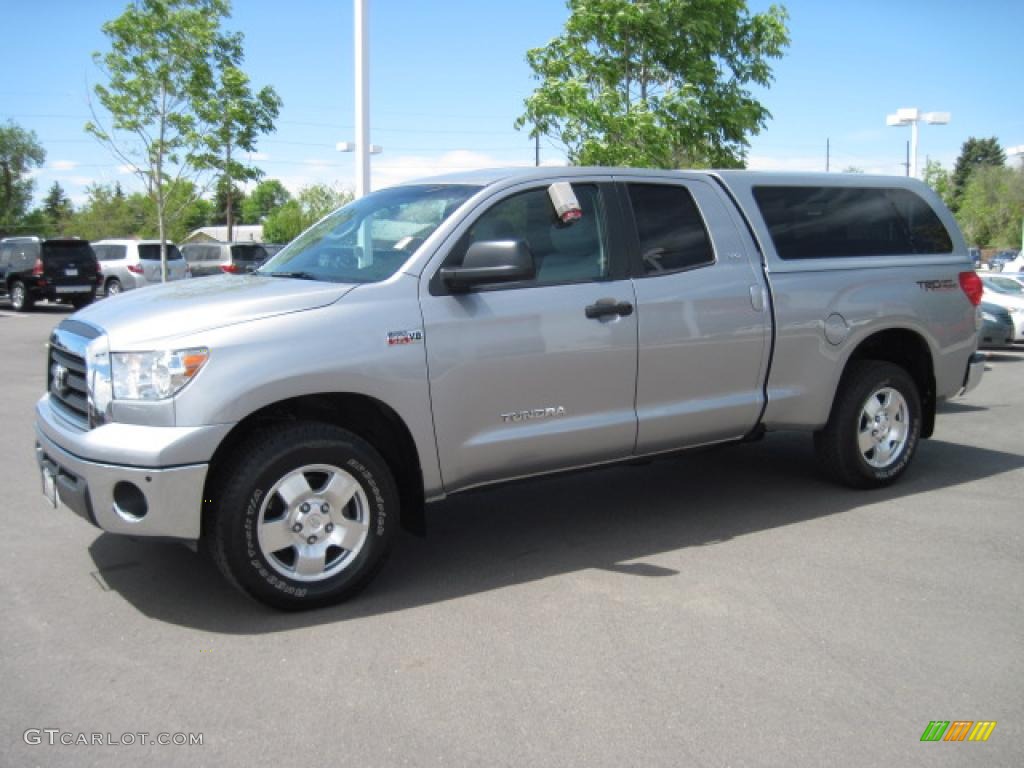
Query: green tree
[[657, 83], [267, 197], [974, 153], [20, 153], [312, 204], [239, 117], [161, 68], [992, 207], [107, 212], [58, 209], [939, 179]]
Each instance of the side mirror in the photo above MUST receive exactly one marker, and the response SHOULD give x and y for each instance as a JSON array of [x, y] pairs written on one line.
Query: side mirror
[[491, 261]]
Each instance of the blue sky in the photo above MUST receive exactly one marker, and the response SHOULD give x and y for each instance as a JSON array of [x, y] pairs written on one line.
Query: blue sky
[[448, 79]]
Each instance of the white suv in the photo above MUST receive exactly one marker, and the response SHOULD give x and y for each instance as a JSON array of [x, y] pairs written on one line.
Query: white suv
[[131, 264]]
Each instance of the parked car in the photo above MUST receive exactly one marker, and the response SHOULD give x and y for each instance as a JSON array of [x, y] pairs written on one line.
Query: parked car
[[999, 261], [997, 328], [1016, 264], [491, 326], [34, 268], [129, 264], [1009, 294], [205, 259]]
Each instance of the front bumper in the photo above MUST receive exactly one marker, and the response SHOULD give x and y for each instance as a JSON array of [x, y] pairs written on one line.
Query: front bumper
[[975, 370], [129, 470]]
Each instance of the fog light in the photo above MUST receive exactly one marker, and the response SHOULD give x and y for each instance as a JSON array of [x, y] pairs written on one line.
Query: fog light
[[130, 501]]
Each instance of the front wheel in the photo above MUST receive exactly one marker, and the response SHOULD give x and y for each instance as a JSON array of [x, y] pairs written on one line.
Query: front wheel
[[875, 424], [303, 517]]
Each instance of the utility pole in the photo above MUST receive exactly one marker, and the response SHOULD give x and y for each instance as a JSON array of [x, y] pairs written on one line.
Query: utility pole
[[828, 154], [362, 100], [536, 149]]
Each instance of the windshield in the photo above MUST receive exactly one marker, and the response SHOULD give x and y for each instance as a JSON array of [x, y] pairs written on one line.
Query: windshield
[[369, 239]]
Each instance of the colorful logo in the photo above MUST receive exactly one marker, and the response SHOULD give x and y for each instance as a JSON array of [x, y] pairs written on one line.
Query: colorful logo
[[958, 730]]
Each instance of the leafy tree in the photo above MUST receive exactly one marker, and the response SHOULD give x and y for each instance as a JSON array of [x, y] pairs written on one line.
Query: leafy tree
[[973, 154], [20, 152], [58, 209], [312, 204], [939, 179], [267, 197], [161, 68], [239, 117], [659, 83], [107, 212], [992, 206]]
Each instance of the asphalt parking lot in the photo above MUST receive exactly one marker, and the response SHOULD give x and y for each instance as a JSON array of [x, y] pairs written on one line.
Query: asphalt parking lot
[[730, 607]]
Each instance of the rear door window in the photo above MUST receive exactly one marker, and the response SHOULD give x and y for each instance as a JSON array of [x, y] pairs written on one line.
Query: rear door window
[[670, 228], [248, 253], [151, 252], [110, 252], [842, 222]]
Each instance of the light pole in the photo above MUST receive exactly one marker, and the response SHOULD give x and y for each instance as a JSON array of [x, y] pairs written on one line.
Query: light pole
[[362, 146], [912, 116]]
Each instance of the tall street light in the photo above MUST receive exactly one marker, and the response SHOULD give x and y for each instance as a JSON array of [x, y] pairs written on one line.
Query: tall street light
[[912, 116], [362, 146]]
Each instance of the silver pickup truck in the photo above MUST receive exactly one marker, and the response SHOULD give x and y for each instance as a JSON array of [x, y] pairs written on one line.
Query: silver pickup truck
[[473, 329]]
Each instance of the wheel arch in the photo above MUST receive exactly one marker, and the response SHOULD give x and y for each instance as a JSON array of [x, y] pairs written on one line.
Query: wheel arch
[[367, 417], [908, 349]]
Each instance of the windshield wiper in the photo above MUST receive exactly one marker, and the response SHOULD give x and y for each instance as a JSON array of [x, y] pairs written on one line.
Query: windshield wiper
[[297, 275]]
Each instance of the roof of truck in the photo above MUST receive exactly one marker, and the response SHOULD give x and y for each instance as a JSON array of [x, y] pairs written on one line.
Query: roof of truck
[[485, 176]]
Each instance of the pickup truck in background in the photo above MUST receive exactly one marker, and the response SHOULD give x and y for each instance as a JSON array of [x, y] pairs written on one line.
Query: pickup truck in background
[[473, 329]]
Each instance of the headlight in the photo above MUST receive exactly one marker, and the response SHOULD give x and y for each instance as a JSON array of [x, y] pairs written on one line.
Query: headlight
[[989, 318], [155, 375], [97, 380]]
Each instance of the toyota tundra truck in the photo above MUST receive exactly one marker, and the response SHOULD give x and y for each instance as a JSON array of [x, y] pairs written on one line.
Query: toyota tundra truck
[[478, 328]]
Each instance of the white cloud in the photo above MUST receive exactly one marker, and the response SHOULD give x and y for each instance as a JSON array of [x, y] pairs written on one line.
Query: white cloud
[[126, 169], [63, 165], [257, 157]]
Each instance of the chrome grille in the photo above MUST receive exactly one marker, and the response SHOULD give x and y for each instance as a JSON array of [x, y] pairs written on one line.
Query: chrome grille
[[66, 372]]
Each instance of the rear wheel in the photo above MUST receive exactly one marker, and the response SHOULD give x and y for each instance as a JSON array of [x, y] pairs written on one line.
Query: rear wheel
[[21, 300], [113, 287], [303, 517], [874, 428]]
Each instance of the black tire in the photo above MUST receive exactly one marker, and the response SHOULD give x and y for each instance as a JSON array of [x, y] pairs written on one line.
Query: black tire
[[113, 287], [243, 499], [21, 299], [839, 445], [82, 301]]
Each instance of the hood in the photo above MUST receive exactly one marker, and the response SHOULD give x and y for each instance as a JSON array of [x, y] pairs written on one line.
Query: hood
[[200, 304]]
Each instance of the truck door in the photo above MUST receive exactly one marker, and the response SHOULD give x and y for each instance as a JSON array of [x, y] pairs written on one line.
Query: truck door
[[704, 323], [523, 379]]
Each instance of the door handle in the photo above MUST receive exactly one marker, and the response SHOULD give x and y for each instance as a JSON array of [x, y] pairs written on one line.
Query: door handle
[[605, 307]]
